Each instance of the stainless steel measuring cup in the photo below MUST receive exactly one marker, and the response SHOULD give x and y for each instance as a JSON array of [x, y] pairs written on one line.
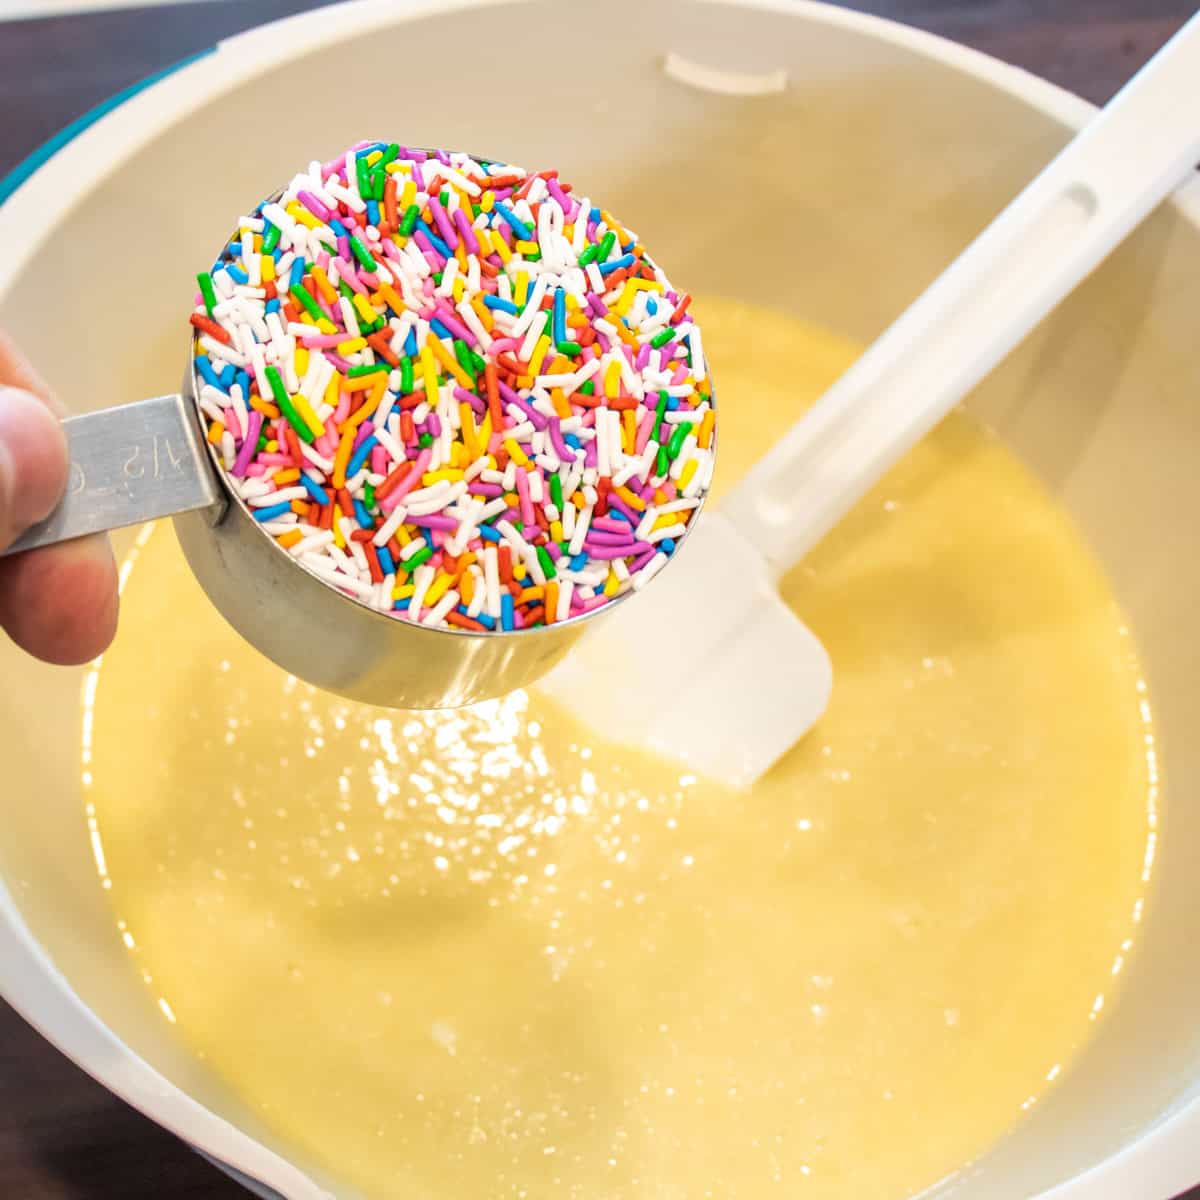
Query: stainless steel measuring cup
[[150, 459]]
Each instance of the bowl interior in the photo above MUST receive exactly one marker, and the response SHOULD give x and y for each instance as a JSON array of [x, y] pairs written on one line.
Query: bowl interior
[[853, 187]]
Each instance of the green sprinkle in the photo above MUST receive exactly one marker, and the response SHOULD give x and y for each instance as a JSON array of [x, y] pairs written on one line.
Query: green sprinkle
[[284, 401], [346, 290], [589, 255], [437, 278], [661, 339], [588, 388], [677, 438], [547, 562], [445, 197], [362, 253], [304, 298], [606, 246], [367, 369], [368, 496], [662, 463], [660, 412], [390, 154], [533, 256], [411, 564], [409, 222], [262, 442], [463, 353], [360, 171], [425, 441], [406, 375], [270, 238], [569, 349], [556, 495], [207, 291]]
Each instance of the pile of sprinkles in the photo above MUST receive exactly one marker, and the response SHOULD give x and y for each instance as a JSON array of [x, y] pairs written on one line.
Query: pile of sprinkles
[[453, 390]]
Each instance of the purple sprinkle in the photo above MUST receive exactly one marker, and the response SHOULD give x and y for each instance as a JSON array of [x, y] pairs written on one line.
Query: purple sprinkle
[[643, 357], [621, 506], [590, 454], [444, 225], [642, 559], [435, 522], [338, 361], [364, 431], [610, 525], [510, 397], [608, 553], [434, 424], [343, 245], [552, 549], [489, 491], [560, 446], [246, 453], [468, 234], [560, 197], [449, 318], [434, 259], [314, 206]]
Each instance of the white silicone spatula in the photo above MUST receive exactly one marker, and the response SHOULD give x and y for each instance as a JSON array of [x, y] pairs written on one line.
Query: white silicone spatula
[[708, 665]]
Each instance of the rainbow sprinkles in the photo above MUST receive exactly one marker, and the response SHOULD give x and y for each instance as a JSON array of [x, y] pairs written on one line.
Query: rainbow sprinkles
[[454, 391]]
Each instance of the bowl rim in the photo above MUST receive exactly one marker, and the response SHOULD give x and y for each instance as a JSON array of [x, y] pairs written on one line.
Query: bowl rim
[[45, 188]]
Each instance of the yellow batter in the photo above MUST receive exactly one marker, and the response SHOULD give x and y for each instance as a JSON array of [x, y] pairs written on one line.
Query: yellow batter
[[478, 955]]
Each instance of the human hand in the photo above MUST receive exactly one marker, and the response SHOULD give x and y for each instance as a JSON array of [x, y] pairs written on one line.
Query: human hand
[[60, 602]]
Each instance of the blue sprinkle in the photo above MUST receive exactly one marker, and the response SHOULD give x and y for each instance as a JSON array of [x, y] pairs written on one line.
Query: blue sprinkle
[[486, 621], [402, 605], [514, 222], [572, 441], [244, 383], [362, 516], [594, 216], [338, 228], [297, 276], [651, 305], [506, 611], [317, 492], [672, 403], [579, 561], [667, 545], [372, 212], [489, 534], [229, 376], [271, 512], [204, 366], [360, 456], [503, 305], [435, 241], [385, 560], [619, 515], [237, 274], [273, 305], [615, 264], [428, 535], [441, 330], [559, 322], [410, 343]]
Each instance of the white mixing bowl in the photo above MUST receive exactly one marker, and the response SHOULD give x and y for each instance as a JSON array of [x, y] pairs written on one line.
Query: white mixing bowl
[[868, 155]]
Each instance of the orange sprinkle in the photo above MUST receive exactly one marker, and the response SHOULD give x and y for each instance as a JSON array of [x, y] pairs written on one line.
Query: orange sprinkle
[[290, 475], [300, 508], [629, 429], [342, 458], [530, 594], [394, 302], [267, 409], [449, 361], [289, 539], [632, 499], [706, 429], [215, 432], [551, 601]]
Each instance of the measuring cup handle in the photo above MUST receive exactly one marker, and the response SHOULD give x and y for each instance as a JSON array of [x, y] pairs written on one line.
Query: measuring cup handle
[[129, 464]]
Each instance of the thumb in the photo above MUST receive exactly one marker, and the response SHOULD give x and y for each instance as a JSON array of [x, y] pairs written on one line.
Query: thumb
[[33, 462]]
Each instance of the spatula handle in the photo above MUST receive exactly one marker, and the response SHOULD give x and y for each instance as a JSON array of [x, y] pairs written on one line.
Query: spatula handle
[[1127, 159]]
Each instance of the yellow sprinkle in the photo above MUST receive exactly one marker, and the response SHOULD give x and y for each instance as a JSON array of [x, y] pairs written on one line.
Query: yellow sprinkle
[[300, 361], [315, 425], [612, 584], [612, 376], [364, 310], [403, 536], [338, 540], [327, 290], [516, 453], [470, 435], [522, 290], [429, 375], [215, 432], [569, 231], [527, 247], [500, 246], [459, 288], [556, 533], [572, 302], [487, 201], [266, 268], [403, 591], [447, 473], [408, 194], [332, 388], [667, 519], [543, 348], [301, 214], [518, 571], [437, 589], [459, 458], [373, 157], [353, 346], [272, 447], [685, 477]]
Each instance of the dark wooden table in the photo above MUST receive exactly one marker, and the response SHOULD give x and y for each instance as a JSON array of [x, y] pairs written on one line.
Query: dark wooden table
[[63, 1137]]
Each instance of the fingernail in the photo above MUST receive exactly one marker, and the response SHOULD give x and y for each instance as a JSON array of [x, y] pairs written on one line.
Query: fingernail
[[33, 461]]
